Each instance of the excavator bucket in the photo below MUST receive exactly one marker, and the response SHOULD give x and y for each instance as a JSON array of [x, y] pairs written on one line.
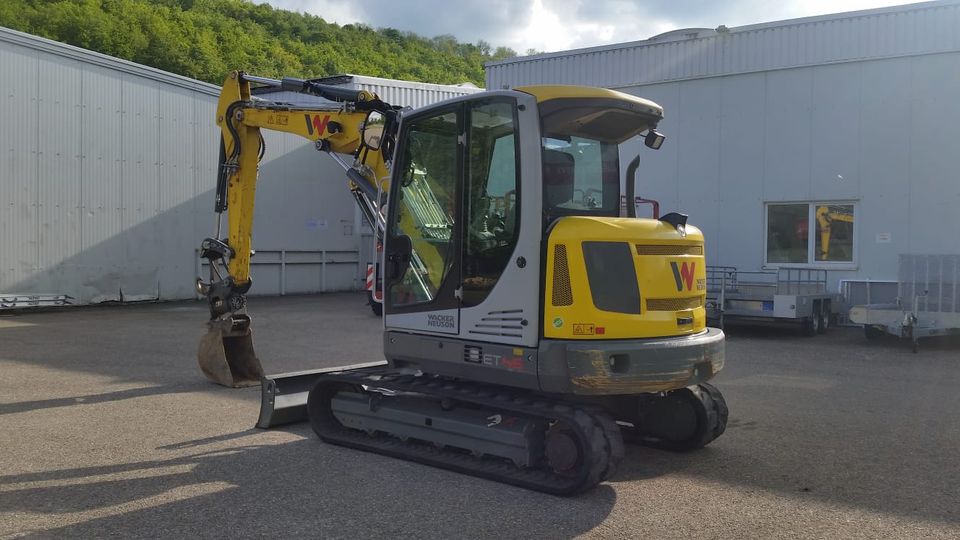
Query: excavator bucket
[[226, 353]]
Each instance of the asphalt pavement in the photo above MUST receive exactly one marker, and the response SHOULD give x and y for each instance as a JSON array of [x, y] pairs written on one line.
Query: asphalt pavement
[[108, 429]]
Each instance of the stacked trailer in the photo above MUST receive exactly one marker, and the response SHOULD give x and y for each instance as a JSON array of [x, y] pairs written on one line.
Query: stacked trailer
[[928, 301], [787, 295]]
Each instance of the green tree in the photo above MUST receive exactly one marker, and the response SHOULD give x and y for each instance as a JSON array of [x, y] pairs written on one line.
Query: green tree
[[204, 39]]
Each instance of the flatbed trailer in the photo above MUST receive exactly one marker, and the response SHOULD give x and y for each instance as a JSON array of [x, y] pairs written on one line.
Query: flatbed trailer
[[783, 296], [928, 301]]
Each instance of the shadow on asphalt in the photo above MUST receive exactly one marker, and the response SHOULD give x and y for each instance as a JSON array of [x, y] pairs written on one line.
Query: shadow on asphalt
[[801, 477], [299, 488], [157, 343], [90, 399]]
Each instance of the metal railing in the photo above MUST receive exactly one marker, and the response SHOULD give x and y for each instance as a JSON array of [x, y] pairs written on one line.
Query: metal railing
[[284, 258], [22, 300], [929, 283], [727, 279]]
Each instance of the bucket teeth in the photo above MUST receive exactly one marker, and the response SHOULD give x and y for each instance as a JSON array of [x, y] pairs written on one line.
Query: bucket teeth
[[226, 354]]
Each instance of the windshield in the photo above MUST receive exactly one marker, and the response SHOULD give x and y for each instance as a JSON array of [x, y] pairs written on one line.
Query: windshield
[[580, 153]]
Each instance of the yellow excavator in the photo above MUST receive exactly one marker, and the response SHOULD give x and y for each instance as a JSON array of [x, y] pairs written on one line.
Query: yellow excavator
[[826, 216], [529, 327]]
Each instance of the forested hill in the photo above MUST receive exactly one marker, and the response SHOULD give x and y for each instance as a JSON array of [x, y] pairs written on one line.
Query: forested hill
[[205, 39]]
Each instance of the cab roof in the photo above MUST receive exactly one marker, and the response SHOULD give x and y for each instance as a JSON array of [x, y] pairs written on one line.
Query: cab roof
[[550, 92]]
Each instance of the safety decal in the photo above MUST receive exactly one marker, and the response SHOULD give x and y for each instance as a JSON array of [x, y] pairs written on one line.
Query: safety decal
[[278, 119], [584, 329]]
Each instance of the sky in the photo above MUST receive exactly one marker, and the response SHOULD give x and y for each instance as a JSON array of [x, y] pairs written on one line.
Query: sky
[[556, 25]]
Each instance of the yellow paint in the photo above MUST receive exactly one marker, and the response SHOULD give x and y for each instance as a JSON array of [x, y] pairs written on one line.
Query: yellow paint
[[655, 279], [242, 183]]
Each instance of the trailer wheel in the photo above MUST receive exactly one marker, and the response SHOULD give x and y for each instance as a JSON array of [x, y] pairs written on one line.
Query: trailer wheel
[[811, 325], [872, 333], [824, 317]]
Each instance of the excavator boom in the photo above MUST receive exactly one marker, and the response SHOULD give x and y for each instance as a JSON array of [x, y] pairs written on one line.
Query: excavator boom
[[226, 353]]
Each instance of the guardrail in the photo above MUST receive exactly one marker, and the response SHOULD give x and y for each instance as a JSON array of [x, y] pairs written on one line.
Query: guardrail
[[282, 259]]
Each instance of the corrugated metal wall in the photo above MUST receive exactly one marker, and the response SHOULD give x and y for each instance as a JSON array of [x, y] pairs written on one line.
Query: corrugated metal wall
[[107, 177], [410, 94], [878, 132], [103, 163], [900, 31]]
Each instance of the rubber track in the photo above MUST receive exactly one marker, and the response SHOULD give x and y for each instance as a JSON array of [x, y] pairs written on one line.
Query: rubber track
[[599, 435], [712, 421]]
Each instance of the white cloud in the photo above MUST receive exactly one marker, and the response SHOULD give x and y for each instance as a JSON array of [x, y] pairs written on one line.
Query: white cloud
[[552, 25]]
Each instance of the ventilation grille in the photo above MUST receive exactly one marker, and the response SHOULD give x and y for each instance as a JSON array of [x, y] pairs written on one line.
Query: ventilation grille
[[674, 304], [670, 249], [506, 322], [472, 354], [562, 295]]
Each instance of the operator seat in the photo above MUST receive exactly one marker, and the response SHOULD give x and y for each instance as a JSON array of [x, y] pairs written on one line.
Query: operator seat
[[558, 168]]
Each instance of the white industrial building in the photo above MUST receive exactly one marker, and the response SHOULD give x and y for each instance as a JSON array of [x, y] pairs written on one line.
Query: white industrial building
[[856, 115], [108, 167], [107, 173]]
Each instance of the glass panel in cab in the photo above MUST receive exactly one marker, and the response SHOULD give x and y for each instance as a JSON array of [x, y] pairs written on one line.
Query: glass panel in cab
[[581, 166], [425, 208]]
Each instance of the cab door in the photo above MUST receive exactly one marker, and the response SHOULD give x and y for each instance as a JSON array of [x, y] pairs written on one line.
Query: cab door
[[421, 252]]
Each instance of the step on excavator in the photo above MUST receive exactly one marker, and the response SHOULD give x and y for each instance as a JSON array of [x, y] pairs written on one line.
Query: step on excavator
[[529, 324]]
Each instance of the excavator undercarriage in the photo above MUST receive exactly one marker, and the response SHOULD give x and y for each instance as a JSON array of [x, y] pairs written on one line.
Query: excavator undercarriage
[[540, 442]]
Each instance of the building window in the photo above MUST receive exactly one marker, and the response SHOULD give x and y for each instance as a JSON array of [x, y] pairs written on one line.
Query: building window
[[789, 242]]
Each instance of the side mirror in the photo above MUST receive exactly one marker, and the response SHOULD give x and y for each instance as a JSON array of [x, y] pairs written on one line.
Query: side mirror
[[653, 139], [373, 130]]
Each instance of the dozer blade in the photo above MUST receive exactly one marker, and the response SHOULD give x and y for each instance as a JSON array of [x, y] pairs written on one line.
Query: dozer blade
[[226, 353], [283, 397]]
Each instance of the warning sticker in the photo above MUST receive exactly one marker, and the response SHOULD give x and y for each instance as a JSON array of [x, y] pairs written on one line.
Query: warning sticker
[[584, 329]]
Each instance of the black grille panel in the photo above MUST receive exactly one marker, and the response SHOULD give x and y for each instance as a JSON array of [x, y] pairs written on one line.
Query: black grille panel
[[612, 276]]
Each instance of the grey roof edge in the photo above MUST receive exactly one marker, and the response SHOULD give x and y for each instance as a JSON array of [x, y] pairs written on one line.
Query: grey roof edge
[[919, 6], [91, 57], [352, 78], [401, 83], [621, 87]]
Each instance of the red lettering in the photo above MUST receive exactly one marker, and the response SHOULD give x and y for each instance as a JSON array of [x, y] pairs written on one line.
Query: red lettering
[[513, 364], [320, 125]]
